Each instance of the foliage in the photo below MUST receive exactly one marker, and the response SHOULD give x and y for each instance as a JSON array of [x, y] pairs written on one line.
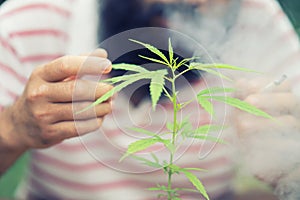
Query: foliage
[[176, 128]]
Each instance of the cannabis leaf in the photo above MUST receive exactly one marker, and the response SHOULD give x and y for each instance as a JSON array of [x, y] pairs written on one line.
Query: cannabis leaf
[[184, 128], [116, 89], [171, 53], [206, 104], [152, 59], [156, 86], [191, 177], [196, 182], [144, 131], [148, 162], [143, 144], [242, 105], [205, 129], [201, 66], [214, 90], [153, 50], [129, 67]]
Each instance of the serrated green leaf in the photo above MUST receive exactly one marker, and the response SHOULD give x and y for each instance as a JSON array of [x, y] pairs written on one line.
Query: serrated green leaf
[[184, 104], [175, 168], [153, 60], [208, 138], [129, 67], [156, 87], [139, 146], [185, 126], [196, 182], [222, 66], [205, 129], [195, 169], [121, 78], [155, 189], [152, 49], [143, 144], [171, 52], [216, 73], [206, 105], [144, 131], [158, 188], [186, 189], [186, 129], [214, 90], [155, 157], [168, 144], [170, 126], [148, 162], [184, 61], [242, 105], [116, 89]]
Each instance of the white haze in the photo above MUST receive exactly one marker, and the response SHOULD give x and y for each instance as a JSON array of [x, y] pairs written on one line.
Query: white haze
[[269, 154]]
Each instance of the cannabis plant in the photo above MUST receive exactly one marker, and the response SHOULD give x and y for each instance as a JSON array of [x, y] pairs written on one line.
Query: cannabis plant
[[175, 128]]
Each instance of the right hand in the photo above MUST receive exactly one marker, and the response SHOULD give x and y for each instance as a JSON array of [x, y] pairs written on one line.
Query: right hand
[[44, 116], [271, 148]]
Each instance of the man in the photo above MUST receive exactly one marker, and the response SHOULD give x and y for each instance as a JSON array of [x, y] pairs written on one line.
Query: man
[[85, 167]]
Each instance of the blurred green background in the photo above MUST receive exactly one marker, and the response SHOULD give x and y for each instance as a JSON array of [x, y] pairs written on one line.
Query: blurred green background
[[9, 181], [292, 9]]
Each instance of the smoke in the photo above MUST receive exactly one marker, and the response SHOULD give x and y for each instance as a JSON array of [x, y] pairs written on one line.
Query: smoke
[[269, 149], [209, 24]]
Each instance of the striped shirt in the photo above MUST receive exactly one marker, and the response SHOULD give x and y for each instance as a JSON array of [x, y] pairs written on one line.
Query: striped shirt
[[33, 32]]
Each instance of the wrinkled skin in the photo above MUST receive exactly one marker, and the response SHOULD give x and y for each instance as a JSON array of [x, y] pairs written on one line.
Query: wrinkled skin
[[46, 113], [271, 147]]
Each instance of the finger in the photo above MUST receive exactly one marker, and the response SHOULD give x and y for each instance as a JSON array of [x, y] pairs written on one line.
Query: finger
[[249, 125], [69, 129], [69, 111], [69, 66], [97, 52], [77, 90], [275, 103], [246, 87]]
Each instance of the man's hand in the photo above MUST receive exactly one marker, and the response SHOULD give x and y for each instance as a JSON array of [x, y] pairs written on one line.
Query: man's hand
[[44, 114], [272, 147]]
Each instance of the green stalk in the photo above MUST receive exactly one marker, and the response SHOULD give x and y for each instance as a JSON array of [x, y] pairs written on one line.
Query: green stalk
[[174, 132]]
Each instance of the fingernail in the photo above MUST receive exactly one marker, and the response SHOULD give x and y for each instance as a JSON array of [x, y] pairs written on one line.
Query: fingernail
[[107, 65]]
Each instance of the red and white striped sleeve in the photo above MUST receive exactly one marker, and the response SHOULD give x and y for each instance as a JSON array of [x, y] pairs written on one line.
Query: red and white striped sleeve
[[32, 32]]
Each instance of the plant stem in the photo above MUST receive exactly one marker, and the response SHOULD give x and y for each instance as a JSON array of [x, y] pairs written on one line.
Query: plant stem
[[181, 73], [174, 132]]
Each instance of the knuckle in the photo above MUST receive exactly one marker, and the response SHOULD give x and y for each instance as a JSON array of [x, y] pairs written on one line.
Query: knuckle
[[41, 116], [243, 125], [253, 100], [99, 122], [107, 108], [36, 72], [47, 136], [72, 131], [79, 89], [62, 64], [106, 87], [102, 52], [65, 60], [37, 93], [103, 89]]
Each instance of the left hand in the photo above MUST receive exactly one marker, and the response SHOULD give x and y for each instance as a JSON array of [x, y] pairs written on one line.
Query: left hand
[[272, 146]]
